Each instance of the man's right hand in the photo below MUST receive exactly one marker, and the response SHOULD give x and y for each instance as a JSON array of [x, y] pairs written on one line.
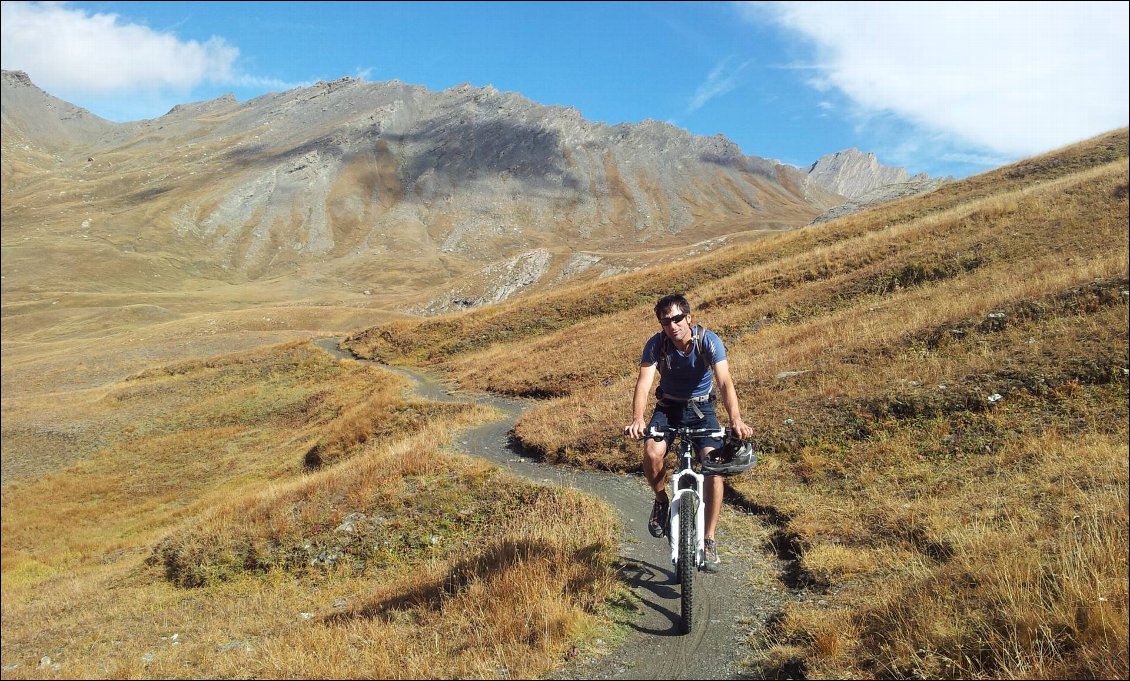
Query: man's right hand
[[636, 429]]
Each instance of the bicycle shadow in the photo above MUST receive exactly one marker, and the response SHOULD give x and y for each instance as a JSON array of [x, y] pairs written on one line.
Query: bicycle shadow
[[641, 574]]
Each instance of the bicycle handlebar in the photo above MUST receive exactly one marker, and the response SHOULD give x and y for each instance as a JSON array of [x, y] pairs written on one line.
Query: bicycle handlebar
[[660, 433]]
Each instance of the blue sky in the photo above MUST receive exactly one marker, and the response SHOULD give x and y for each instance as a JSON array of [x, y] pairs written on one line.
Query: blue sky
[[943, 88]]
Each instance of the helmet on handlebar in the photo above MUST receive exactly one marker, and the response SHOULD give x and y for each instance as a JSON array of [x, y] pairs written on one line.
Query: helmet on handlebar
[[735, 456]]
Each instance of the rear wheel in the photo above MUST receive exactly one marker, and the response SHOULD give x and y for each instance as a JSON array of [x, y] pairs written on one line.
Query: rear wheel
[[687, 567]]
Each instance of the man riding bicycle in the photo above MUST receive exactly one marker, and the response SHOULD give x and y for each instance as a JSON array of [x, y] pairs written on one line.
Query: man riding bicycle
[[690, 361]]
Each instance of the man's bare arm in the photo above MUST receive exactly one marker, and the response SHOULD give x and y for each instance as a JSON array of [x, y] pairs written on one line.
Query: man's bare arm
[[638, 425], [730, 399]]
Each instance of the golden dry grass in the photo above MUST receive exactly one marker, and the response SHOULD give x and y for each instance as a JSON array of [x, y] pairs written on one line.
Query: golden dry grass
[[939, 390], [199, 541], [946, 463]]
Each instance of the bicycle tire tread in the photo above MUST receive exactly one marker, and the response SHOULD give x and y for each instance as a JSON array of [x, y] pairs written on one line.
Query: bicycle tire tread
[[687, 567]]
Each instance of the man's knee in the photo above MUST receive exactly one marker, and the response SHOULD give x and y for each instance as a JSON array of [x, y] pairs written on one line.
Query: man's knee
[[654, 451]]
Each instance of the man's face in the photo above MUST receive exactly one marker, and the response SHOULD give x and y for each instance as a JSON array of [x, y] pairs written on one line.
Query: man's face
[[676, 324]]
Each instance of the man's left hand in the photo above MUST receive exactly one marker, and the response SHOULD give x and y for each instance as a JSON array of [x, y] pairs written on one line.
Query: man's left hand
[[739, 428]]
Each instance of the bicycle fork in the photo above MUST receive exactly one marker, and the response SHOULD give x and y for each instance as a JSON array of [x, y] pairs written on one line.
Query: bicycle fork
[[687, 481]]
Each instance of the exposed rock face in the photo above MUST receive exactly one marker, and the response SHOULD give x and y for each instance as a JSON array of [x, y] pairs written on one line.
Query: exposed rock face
[[883, 194], [492, 284], [37, 118], [852, 173]]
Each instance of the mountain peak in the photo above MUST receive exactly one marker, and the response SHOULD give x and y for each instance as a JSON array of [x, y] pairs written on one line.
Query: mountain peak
[[853, 173], [17, 78], [44, 120]]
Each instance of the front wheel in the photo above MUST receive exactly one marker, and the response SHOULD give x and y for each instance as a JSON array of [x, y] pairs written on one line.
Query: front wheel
[[687, 567]]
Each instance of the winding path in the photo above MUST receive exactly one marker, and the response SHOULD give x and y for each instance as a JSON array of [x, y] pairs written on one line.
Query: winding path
[[727, 612]]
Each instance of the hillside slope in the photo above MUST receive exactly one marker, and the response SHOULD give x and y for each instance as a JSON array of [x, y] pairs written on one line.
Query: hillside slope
[[939, 390]]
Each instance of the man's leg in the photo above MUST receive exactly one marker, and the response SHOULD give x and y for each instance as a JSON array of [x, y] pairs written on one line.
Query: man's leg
[[714, 489], [653, 466], [656, 473]]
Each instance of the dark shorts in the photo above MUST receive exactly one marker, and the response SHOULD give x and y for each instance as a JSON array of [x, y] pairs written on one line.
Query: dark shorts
[[680, 414]]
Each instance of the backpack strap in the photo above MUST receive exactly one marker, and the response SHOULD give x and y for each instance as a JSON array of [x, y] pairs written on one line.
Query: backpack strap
[[700, 343]]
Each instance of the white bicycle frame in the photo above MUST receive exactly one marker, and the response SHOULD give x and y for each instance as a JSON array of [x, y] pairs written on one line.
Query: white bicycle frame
[[678, 490], [686, 480]]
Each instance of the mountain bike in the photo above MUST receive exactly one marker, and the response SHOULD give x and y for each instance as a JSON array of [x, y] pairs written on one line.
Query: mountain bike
[[686, 519]]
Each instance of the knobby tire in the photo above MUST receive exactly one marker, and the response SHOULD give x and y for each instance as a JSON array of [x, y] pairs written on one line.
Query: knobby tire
[[687, 567]]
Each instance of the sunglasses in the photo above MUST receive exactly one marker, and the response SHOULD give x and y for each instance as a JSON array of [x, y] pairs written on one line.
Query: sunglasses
[[664, 321]]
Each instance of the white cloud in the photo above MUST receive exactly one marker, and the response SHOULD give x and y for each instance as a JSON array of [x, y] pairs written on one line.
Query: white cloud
[[74, 51], [722, 79], [1015, 78]]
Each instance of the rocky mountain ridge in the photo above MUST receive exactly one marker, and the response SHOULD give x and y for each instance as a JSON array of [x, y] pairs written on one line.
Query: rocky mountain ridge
[[36, 118], [852, 173], [393, 186]]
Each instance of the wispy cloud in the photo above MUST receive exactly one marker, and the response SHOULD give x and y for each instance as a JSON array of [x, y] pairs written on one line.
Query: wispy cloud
[[910, 147], [1014, 78], [722, 79]]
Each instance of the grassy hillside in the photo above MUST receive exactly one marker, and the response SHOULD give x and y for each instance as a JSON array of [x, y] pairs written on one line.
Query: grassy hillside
[[279, 514], [938, 386], [939, 390]]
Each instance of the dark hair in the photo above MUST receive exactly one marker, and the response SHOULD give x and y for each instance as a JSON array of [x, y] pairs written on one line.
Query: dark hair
[[673, 299]]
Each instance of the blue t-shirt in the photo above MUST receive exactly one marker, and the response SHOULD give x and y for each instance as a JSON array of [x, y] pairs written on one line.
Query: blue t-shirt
[[685, 375]]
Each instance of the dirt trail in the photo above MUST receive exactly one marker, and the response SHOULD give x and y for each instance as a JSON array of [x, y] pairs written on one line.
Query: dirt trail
[[733, 603]]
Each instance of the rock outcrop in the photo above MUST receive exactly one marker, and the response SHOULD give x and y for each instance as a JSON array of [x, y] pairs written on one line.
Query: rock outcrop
[[883, 194], [36, 118], [864, 181], [852, 173]]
